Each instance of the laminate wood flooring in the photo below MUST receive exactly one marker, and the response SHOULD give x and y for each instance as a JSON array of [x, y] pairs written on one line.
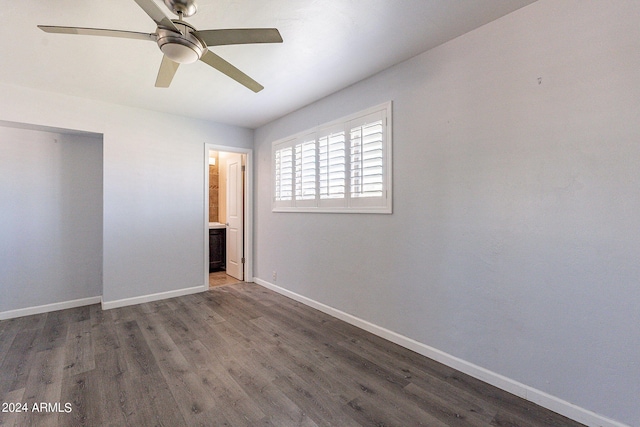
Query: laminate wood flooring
[[237, 355]]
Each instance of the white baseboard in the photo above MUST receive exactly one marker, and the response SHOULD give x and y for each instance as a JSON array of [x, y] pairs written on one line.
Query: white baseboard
[[531, 394], [108, 305], [49, 307]]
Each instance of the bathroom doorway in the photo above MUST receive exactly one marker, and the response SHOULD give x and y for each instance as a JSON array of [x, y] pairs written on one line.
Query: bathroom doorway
[[228, 215]]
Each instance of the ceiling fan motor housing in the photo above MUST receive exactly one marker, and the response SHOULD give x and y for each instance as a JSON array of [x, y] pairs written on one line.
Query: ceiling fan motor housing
[[185, 8], [182, 48]]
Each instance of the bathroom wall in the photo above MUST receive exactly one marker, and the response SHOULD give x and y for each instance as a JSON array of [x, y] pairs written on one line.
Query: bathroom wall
[[222, 188], [214, 173]]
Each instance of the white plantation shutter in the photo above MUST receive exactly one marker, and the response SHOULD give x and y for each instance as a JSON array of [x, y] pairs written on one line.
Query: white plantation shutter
[[283, 167], [306, 167], [332, 165], [344, 166], [367, 160], [370, 162]]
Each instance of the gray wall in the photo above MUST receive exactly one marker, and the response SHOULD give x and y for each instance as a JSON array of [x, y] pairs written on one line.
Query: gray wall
[[50, 217], [153, 188], [515, 237]]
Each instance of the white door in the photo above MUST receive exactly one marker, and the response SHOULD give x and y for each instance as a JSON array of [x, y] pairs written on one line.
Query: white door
[[235, 216]]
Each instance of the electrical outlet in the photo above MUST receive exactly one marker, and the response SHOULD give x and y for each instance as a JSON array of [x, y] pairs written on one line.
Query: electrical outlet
[[275, 276]]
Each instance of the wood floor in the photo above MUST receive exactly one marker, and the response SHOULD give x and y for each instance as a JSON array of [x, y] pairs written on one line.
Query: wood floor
[[237, 355], [220, 278]]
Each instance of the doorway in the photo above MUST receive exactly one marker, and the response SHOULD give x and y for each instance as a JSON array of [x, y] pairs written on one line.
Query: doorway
[[228, 219]]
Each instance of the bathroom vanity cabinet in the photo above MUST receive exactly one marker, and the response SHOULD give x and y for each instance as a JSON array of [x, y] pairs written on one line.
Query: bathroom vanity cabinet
[[217, 249]]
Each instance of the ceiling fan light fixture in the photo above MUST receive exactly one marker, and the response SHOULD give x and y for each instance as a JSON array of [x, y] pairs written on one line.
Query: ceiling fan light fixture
[[183, 48], [180, 53]]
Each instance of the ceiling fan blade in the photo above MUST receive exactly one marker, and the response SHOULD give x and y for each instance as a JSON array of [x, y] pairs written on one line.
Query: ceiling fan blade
[[239, 36], [166, 72], [224, 67], [97, 32], [156, 14]]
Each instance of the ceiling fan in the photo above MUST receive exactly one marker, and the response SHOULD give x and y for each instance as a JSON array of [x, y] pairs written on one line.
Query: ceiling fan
[[181, 43]]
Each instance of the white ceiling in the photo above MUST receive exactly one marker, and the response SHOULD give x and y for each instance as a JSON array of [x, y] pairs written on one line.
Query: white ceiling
[[328, 45]]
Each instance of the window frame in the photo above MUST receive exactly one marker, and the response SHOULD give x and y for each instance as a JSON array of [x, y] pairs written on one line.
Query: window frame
[[347, 204]]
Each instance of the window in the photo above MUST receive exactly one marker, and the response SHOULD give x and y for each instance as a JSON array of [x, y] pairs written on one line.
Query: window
[[343, 166]]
